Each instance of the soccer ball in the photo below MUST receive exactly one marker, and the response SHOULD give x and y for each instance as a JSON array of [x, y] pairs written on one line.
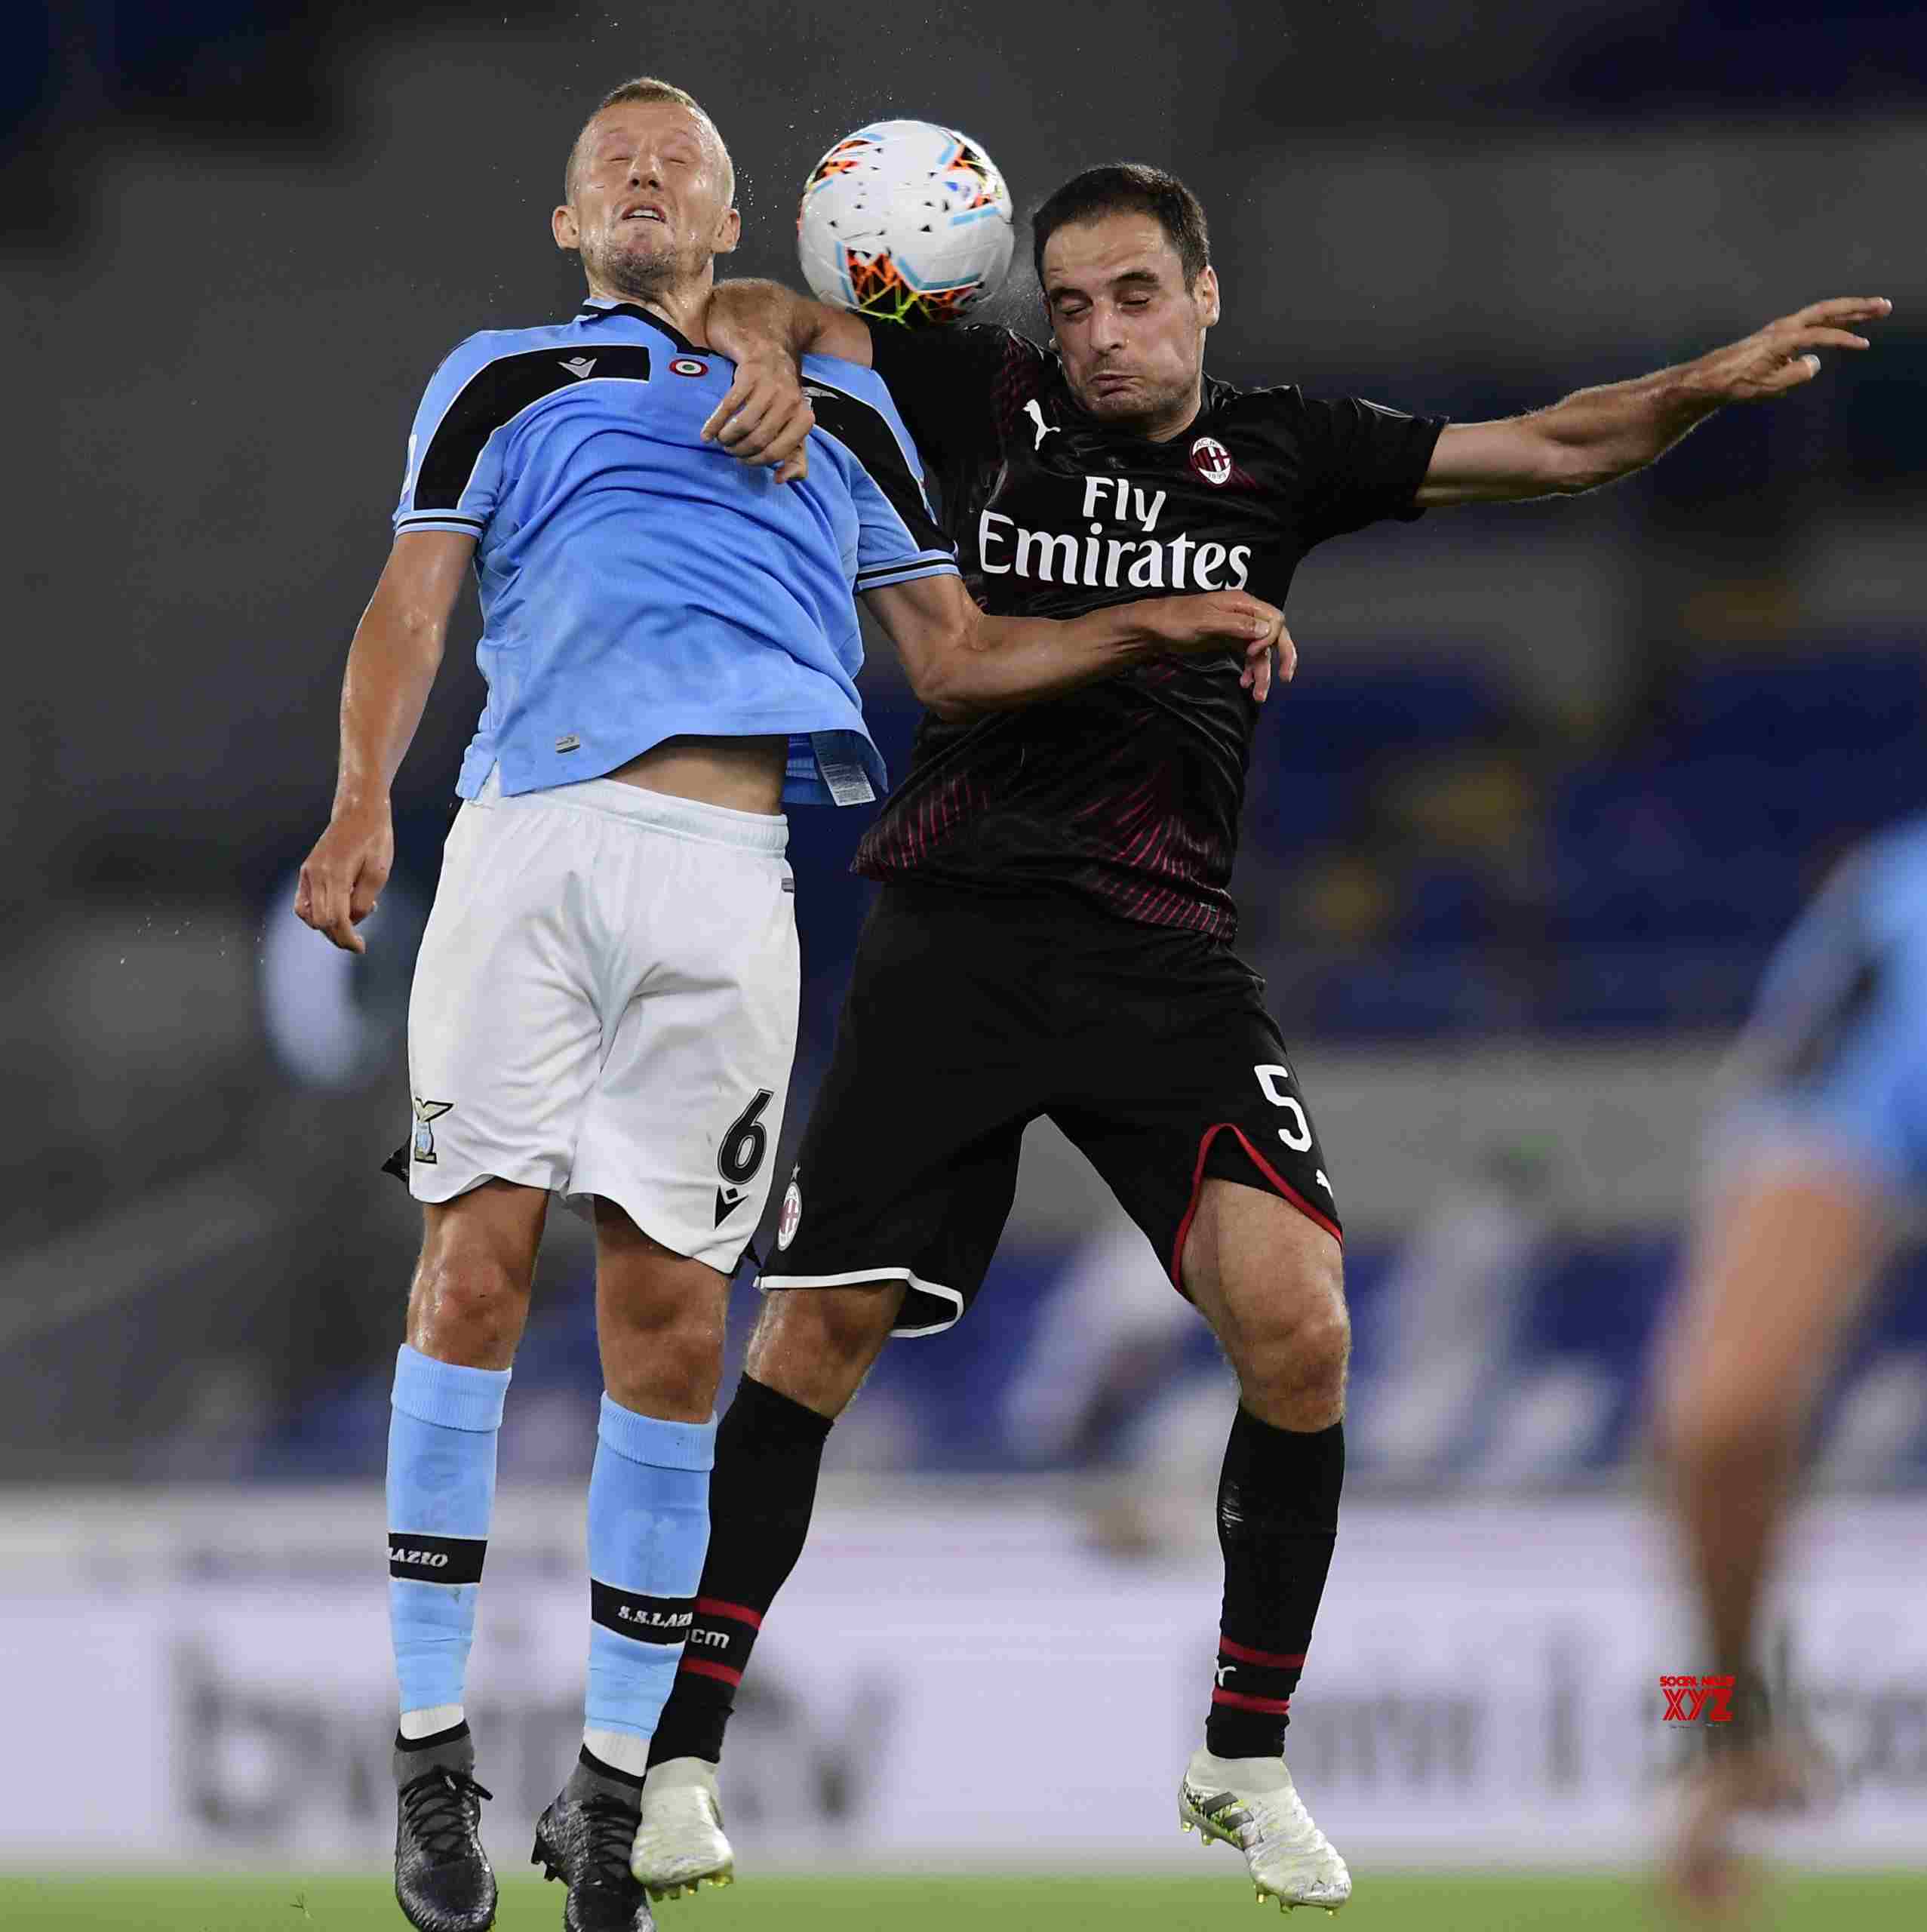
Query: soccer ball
[[904, 220]]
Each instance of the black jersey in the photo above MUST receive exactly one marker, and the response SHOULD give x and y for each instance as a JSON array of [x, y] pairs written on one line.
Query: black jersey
[[1128, 791]]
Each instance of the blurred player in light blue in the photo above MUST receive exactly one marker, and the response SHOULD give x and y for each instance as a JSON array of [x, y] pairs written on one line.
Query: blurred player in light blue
[[1816, 1159]]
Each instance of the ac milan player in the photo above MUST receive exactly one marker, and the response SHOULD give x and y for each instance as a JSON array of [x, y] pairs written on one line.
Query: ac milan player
[[1054, 935]]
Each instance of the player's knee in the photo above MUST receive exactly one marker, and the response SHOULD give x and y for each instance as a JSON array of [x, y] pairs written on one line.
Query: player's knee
[[466, 1307], [665, 1359], [1294, 1366], [817, 1345], [1715, 1430]]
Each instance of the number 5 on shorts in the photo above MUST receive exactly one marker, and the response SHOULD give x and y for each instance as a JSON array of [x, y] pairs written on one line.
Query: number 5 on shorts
[[1272, 1079]]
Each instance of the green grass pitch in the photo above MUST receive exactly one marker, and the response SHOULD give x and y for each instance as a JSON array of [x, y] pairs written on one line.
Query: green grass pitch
[[1458, 1902]]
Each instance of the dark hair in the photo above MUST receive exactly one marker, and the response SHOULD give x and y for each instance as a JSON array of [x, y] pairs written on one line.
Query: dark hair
[[1128, 186], [645, 88]]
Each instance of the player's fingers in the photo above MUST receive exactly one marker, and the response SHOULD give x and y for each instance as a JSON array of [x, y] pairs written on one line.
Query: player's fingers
[[741, 432], [738, 394], [738, 420], [1237, 616], [1287, 653], [1845, 308], [1828, 338], [330, 915], [786, 436], [340, 927], [320, 899], [341, 930]]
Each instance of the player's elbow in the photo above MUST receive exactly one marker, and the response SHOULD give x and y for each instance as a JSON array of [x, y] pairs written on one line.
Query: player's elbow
[[943, 674]]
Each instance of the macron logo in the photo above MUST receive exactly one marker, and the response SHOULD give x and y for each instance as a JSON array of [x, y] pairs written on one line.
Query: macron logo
[[579, 366]]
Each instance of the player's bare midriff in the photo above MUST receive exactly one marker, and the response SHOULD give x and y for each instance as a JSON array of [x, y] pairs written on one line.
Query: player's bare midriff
[[741, 774]]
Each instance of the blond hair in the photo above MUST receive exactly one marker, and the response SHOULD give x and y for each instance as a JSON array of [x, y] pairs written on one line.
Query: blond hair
[[646, 87]]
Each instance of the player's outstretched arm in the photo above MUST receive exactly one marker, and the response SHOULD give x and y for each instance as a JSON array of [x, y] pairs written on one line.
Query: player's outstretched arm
[[961, 661], [1598, 435], [767, 330], [391, 665]]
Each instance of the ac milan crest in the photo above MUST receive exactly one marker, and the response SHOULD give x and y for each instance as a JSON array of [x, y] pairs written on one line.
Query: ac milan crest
[[791, 1219], [1211, 460]]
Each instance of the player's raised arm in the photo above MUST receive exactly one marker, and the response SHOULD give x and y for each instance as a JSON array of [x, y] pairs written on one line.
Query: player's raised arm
[[391, 665], [962, 661], [767, 330], [748, 317], [1598, 435]]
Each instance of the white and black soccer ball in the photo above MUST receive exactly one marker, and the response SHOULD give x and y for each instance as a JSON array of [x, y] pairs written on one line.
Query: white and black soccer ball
[[905, 219]]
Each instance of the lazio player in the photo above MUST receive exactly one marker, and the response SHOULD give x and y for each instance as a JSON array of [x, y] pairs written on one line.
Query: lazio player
[[1820, 1156], [604, 1005]]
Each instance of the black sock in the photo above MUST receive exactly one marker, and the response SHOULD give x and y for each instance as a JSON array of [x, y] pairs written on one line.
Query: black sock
[[768, 1451], [590, 1763], [1277, 1519], [439, 1740]]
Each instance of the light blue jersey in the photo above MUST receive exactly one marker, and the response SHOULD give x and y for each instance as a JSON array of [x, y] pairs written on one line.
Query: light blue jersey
[[1835, 1057], [637, 583]]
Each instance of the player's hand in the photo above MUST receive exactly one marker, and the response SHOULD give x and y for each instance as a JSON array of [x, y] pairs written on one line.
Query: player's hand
[[1785, 353], [1263, 661], [342, 877], [1224, 620], [766, 419]]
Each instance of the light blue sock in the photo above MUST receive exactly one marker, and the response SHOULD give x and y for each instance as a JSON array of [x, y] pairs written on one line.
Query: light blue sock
[[442, 1438], [648, 1532]]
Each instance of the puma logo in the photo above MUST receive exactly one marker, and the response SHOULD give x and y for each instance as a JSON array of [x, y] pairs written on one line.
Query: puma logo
[[1034, 410]]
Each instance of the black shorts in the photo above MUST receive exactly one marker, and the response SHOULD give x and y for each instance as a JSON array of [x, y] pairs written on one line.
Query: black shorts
[[967, 1018]]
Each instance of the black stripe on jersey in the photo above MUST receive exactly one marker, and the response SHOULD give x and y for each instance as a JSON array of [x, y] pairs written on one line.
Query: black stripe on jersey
[[648, 1620], [865, 431], [495, 394], [1805, 1055], [931, 564], [591, 311], [440, 518], [420, 1559]]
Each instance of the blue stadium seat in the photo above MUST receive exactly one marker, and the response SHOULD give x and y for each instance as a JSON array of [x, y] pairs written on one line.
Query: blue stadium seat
[[1786, 709]]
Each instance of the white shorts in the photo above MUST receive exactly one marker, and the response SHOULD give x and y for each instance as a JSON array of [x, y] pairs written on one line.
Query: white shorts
[[605, 1004]]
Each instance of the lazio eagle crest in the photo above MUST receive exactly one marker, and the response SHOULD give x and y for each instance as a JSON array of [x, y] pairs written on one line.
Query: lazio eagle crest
[[426, 1111]]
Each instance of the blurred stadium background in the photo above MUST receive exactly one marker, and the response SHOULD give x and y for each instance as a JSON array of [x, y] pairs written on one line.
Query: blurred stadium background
[[1550, 781]]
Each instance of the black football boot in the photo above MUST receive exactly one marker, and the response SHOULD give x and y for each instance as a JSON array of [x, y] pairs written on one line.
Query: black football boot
[[442, 1879], [585, 1839]]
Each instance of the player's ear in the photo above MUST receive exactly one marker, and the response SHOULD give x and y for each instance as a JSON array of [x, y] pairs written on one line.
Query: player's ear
[[729, 232], [1206, 296], [563, 226]]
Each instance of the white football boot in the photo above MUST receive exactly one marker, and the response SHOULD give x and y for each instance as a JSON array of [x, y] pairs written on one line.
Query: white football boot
[[680, 1844], [1251, 1803]]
